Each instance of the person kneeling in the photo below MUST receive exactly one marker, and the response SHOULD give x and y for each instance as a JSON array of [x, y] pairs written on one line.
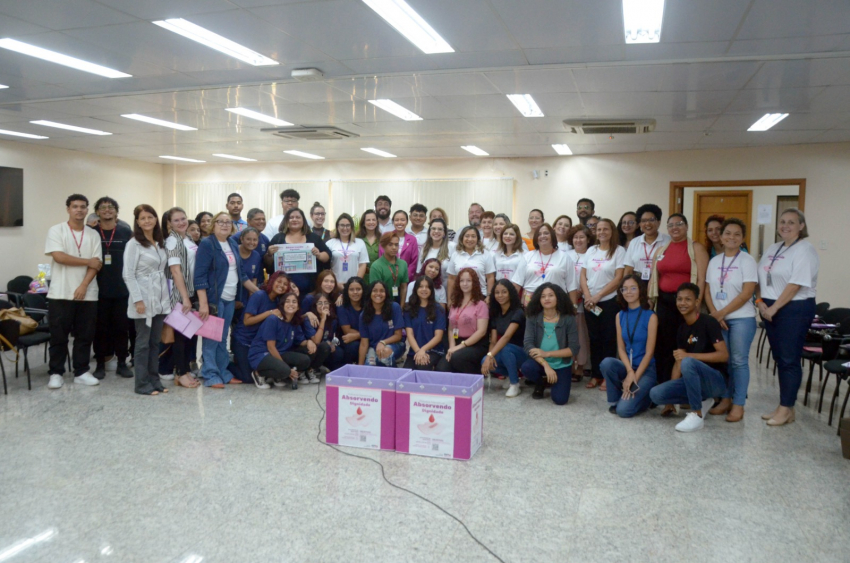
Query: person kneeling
[[700, 372], [425, 322], [275, 354], [631, 377], [551, 340], [381, 325]]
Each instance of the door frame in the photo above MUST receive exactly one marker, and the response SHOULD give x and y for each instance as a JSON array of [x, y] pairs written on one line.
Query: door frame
[[677, 189], [730, 193]]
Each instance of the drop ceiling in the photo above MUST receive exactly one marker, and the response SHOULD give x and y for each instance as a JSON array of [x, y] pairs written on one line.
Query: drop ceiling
[[720, 65]]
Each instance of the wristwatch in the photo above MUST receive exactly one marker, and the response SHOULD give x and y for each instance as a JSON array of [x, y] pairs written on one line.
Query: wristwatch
[[490, 354]]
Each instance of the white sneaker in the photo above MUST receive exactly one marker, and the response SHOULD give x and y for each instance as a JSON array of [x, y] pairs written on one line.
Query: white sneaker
[[166, 376], [259, 381], [513, 391], [56, 381], [313, 376], [87, 379], [692, 423], [303, 379]]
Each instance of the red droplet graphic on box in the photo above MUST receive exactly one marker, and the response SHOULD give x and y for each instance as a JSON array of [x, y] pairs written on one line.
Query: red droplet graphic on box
[[359, 411], [431, 418]]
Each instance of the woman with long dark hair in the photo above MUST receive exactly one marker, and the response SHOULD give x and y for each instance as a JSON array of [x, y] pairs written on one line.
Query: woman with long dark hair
[[349, 318], [425, 322], [325, 337], [431, 269], [349, 257], [627, 228], [276, 353], [370, 234], [507, 330], [381, 327], [437, 246], [295, 230], [204, 219]]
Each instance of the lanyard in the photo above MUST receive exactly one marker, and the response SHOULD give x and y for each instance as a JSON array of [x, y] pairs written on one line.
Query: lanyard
[[778, 254], [79, 244], [724, 272], [393, 273], [546, 265], [651, 248], [345, 249], [631, 333], [103, 236]]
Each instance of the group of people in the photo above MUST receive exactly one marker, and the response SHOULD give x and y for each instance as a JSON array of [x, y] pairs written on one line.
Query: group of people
[[651, 318]]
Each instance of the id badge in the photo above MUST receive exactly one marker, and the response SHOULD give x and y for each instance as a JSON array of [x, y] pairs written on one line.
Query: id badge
[[596, 310], [395, 292], [769, 279], [345, 266], [107, 260], [647, 271], [455, 333], [720, 296]]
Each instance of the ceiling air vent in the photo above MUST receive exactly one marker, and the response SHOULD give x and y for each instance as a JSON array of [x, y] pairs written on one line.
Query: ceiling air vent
[[311, 133], [609, 126]]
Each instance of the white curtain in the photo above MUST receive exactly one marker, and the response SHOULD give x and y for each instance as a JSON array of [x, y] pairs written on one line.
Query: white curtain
[[452, 194], [195, 197]]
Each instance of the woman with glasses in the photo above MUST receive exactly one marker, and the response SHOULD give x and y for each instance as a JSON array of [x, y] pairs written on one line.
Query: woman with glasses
[[349, 257], [592, 222], [437, 246], [627, 228], [440, 213], [642, 248], [631, 375], [535, 220], [318, 215], [680, 260]]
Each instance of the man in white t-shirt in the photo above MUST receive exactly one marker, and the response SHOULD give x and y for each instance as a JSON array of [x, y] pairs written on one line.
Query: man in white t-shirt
[[418, 215], [384, 210], [77, 257], [289, 199], [639, 253]]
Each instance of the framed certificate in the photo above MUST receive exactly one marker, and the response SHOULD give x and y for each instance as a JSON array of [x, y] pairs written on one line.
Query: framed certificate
[[295, 258]]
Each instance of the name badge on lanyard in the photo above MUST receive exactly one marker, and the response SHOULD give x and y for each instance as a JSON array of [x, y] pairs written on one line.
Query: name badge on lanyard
[[345, 266], [646, 272], [107, 260]]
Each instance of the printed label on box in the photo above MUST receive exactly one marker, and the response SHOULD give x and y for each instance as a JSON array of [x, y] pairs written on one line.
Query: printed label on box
[[432, 425], [477, 421], [360, 417]]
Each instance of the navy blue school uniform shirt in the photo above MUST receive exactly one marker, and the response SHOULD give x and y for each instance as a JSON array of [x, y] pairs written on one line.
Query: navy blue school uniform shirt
[[287, 337], [258, 304], [379, 329], [262, 245], [700, 338], [253, 266], [348, 316], [423, 329]]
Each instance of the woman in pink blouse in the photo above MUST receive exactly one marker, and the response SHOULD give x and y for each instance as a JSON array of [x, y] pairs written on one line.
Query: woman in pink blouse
[[468, 320], [408, 248]]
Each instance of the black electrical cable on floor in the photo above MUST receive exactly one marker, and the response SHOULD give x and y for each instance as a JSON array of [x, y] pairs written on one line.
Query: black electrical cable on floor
[[390, 483]]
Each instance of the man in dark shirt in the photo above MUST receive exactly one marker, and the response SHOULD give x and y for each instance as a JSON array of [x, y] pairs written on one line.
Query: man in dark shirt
[[700, 373], [112, 328]]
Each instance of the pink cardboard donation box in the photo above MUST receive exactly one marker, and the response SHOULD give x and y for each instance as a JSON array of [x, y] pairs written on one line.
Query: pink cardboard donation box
[[439, 414], [360, 402]]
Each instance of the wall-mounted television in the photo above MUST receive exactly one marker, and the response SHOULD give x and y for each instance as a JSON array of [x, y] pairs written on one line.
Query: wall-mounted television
[[11, 197]]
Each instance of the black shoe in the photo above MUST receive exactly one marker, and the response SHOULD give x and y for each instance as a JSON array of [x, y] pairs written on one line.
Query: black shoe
[[539, 387], [612, 409], [100, 372], [124, 371]]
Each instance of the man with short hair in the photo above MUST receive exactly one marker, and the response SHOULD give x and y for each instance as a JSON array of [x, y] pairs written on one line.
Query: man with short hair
[[700, 373], [384, 209], [112, 328], [474, 214], [234, 208], [289, 199], [76, 255], [639, 253], [585, 208], [418, 216]]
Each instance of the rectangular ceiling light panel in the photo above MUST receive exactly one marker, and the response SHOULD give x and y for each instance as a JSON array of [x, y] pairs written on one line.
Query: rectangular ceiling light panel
[[642, 20], [24, 135], [767, 121], [475, 150], [379, 152], [3, 86], [259, 116], [59, 58], [230, 156], [69, 127], [160, 122], [215, 41], [182, 159], [305, 155], [395, 109], [562, 150], [526, 105], [406, 21]]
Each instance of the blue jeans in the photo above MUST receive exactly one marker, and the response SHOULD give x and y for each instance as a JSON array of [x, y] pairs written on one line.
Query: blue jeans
[[787, 334], [389, 361], [560, 390], [216, 358], [614, 372], [508, 361], [698, 383], [738, 339]]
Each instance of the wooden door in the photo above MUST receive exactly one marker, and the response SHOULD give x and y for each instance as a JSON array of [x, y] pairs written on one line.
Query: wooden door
[[737, 204]]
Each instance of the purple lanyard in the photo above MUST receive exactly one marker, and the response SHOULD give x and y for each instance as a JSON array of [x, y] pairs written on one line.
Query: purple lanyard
[[781, 251], [724, 271]]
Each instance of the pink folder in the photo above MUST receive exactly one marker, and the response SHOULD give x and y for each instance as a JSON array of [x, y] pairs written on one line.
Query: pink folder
[[212, 328], [185, 324]]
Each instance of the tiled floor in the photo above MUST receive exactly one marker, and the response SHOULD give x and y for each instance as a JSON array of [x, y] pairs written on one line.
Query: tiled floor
[[237, 475]]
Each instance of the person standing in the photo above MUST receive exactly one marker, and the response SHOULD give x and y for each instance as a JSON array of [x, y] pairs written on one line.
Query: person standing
[[205, 224], [470, 253], [535, 219], [75, 250], [150, 300], [234, 209], [408, 249], [256, 219], [639, 254], [627, 229], [112, 329], [383, 208], [585, 209], [474, 215], [418, 214], [545, 264], [438, 247], [390, 269], [488, 236], [788, 280], [562, 227], [369, 233], [440, 213], [349, 257], [318, 216], [508, 255], [289, 199], [580, 238]]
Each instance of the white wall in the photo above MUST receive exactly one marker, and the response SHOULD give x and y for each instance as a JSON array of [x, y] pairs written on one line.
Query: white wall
[[50, 176], [616, 182]]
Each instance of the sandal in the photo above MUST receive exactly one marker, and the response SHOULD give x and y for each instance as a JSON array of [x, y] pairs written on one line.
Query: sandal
[[594, 382], [577, 377], [670, 410], [179, 382], [603, 387]]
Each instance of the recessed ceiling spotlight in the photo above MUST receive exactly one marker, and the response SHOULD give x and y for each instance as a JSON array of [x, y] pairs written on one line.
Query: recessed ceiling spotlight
[[395, 109], [642, 20], [475, 150], [59, 58], [160, 122], [562, 150], [401, 16], [259, 116], [24, 135], [526, 105], [215, 41], [767, 121], [305, 155], [181, 158], [230, 156], [69, 127], [379, 152]]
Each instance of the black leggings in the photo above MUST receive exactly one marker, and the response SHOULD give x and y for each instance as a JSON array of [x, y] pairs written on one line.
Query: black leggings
[[279, 370], [409, 363], [466, 360], [669, 321], [602, 331]]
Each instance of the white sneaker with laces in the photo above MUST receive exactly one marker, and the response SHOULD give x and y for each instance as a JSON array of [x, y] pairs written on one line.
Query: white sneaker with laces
[[56, 381], [513, 391], [313, 376], [302, 378], [87, 379], [692, 423], [259, 381]]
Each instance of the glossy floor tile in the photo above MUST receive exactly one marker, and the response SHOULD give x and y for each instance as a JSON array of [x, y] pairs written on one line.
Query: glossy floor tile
[[101, 474]]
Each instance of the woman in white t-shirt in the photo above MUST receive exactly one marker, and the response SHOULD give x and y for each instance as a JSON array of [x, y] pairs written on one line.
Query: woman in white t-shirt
[[731, 279], [562, 226], [545, 264], [470, 253], [788, 279], [488, 233], [508, 256], [349, 257], [601, 275], [580, 238], [438, 246]]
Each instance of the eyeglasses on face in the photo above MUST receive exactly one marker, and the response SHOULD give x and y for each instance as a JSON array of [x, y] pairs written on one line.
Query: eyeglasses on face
[[107, 206], [629, 223], [584, 207], [649, 221], [591, 225], [319, 213], [677, 224], [628, 289], [224, 223], [291, 201]]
